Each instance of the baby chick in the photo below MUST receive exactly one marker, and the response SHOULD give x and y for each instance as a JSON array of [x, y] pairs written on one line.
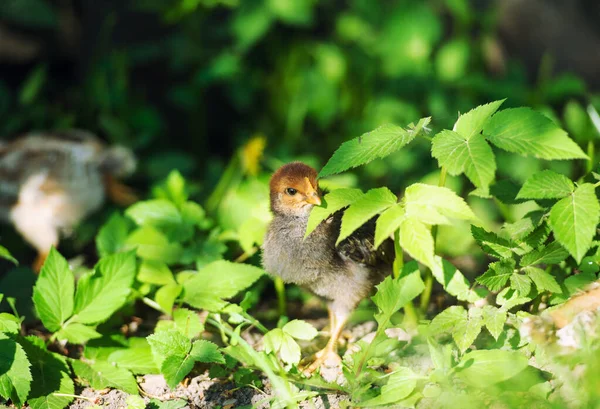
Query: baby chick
[[343, 274], [50, 181]]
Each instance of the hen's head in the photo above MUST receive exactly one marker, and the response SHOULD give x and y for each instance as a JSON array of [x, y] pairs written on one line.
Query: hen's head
[[294, 190]]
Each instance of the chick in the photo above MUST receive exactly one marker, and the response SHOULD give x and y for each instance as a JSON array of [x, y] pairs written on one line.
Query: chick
[[50, 181], [343, 274]]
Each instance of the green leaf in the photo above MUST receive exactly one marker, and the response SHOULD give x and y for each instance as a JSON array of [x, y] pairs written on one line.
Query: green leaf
[[207, 352], [15, 376], [76, 333], [434, 205], [416, 240], [101, 374], [494, 319], [151, 244], [300, 330], [471, 123], [51, 376], [388, 222], [466, 331], [527, 132], [400, 384], [273, 340], [135, 402], [155, 272], [33, 85], [552, 254], [574, 219], [290, 350], [165, 296], [332, 202], [185, 321], [104, 291], [369, 205], [112, 235], [218, 280], [379, 143], [483, 368], [493, 244], [5, 254], [543, 280], [393, 294], [9, 323], [166, 343], [473, 156], [497, 274], [521, 283], [546, 185], [453, 281], [175, 368], [136, 359], [53, 292], [446, 320], [158, 213]]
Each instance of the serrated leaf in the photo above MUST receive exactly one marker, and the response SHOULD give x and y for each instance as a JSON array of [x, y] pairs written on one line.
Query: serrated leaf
[[474, 157], [53, 291], [453, 281], [15, 375], [300, 330], [175, 368], [112, 235], [472, 122], [369, 205], [151, 244], [165, 343], [165, 296], [9, 323], [207, 352], [483, 368], [158, 213], [506, 191], [416, 240], [494, 320], [187, 322], [497, 274], [272, 340], [102, 293], [375, 144], [136, 359], [290, 350], [5, 254], [509, 298], [155, 272], [527, 132], [551, 254], [574, 218], [434, 204], [76, 333], [466, 331], [135, 402], [102, 375], [218, 280], [546, 185], [332, 202], [50, 374], [400, 384], [388, 222], [493, 244], [446, 320], [543, 280], [521, 283], [523, 227], [393, 294]]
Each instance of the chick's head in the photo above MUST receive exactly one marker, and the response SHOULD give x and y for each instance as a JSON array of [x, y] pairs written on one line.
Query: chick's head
[[294, 190]]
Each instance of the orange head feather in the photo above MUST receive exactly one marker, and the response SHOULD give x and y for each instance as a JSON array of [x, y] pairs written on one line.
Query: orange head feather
[[294, 189]]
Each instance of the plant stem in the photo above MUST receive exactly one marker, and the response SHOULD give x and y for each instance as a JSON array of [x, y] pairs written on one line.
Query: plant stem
[[227, 180], [399, 256], [280, 289], [590, 153]]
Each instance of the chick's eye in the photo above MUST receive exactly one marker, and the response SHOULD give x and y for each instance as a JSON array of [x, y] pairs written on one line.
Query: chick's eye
[[291, 191]]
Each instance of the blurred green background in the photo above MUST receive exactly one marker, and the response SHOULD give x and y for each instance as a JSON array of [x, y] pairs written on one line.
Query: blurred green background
[[187, 83]]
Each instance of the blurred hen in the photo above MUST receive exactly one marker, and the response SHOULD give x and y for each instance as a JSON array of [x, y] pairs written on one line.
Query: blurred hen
[[50, 181]]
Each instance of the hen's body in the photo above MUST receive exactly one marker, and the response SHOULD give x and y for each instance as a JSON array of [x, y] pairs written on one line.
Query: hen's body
[[51, 181], [343, 275]]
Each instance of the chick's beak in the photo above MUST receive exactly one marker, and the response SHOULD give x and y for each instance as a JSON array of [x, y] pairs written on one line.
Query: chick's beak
[[314, 199]]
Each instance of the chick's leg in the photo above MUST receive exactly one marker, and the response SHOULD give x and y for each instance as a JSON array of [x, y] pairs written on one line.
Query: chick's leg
[[337, 317]]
